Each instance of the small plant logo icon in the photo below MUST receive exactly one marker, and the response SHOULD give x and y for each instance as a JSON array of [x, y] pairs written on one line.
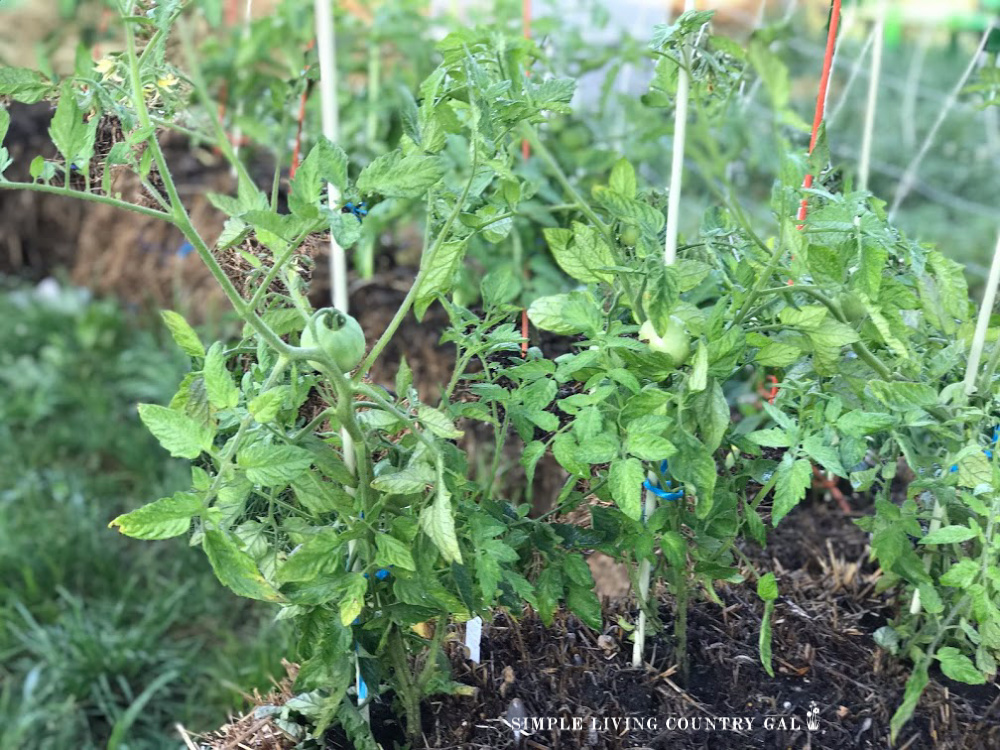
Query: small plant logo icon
[[812, 717]]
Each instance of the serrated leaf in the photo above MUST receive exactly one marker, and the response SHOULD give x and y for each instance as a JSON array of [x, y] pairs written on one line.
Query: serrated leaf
[[318, 556], [793, 479], [439, 275], [777, 354], [176, 432], [167, 517], [222, 391], [437, 520], [392, 552], [861, 423], [265, 406], [911, 697], [824, 454], [949, 535], [625, 479], [396, 176], [622, 179], [408, 481], [235, 568], [273, 465], [583, 602], [438, 423], [352, 601], [183, 334], [23, 84], [583, 256], [958, 666]]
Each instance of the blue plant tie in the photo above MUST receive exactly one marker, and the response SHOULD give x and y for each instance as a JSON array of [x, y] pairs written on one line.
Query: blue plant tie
[[185, 250], [658, 491], [360, 210], [987, 451]]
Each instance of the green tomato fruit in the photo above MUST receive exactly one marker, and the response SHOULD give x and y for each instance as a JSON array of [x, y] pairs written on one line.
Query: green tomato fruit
[[854, 309], [338, 335], [629, 236], [674, 341]]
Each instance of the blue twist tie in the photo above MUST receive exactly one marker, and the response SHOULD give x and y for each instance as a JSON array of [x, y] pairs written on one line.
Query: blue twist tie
[[185, 250], [658, 491], [987, 451]]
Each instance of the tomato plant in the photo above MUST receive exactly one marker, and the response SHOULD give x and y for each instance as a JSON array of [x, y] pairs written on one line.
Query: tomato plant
[[354, 508]]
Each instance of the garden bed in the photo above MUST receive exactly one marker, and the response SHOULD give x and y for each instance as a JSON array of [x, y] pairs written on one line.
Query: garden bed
[[823, 648]]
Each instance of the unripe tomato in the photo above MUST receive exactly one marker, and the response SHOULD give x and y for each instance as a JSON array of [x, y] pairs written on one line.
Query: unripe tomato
[[853, 307], [338, 335], [674, 341], [629, 236]]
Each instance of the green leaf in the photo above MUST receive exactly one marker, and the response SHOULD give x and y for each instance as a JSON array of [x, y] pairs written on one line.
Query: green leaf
[[817, 448], [236, 569], [949, 535], [565, 314], [438, 521], [793, 479], [222, 391], [265, 406], [649, 447], [176, 432], [622, 179], [392, 552], [777, 354], [958, 666], [974, 470], [713, 415], [320, 555], [183, 334], [439, 275], [767, 587], [4, 124], [72, 137], [584, 256], [625, 479], [273, 465], [583, 602], [861, 423], [902, 396], [396, 176], [23, 84], [438, 423], [770, 438], [828, 341], [764, 642], [353, 599], [911, 696], [698, 380], [167, 517], [408, 481], [961, 574], [873, 256]]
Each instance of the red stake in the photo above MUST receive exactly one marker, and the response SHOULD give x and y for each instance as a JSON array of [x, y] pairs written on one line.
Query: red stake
[[297, 150], [824, 82]]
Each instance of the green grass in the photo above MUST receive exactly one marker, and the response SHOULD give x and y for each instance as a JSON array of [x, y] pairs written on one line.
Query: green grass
[[104, 641]]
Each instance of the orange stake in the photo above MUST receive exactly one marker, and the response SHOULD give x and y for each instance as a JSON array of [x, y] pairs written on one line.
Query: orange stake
[[824, 82]]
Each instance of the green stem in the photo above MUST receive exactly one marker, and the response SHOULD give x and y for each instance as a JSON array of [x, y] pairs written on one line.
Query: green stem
[[40, 187], [408, 691], [427, 265], [531, 135]]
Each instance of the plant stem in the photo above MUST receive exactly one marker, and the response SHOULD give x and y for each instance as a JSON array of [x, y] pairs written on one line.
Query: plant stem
[[40, 187], [408, 691], [539, 148], [426, 265], [681, 594]]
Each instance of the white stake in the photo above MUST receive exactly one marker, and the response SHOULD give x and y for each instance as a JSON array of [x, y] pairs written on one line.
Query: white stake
[[864, 167], [983, 323], [677, 167], [326, 41], [910, 175], [669, 256]]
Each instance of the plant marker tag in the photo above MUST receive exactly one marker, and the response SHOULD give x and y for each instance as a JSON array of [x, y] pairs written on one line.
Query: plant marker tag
[[473, 637]]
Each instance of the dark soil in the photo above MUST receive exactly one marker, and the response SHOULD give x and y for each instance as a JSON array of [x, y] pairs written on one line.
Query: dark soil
[[824, 658]]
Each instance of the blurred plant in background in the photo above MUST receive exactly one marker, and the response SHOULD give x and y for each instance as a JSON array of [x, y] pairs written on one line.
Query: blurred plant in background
[[101, 638]]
